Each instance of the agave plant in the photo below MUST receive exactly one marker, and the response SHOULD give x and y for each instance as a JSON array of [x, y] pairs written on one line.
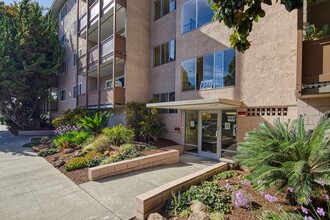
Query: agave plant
[[96, 122], [286, 155]]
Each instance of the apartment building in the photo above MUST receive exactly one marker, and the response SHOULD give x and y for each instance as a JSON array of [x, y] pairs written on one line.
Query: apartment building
[[172, 51]]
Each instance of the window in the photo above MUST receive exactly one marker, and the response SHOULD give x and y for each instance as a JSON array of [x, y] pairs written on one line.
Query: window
[[164, 53], [63, 95], [195, 13], [74, 91], [63, 40], [75, 28], [163, 7], [189, 16], [63, 68], [74, 59], [165, 97], [120, 82], [188, 73], [216, 70], [63, 12], [204, 13]]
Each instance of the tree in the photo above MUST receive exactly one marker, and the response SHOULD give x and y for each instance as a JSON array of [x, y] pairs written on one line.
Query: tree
[[241, 14], [30, 55]]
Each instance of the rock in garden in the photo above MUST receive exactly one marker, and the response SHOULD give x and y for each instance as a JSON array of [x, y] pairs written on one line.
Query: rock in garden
[[42, 146], [199, 216], [197, 206], [56, 158], [78, 153], [35, 149], [68, 150], [59, 163], [155, 216]]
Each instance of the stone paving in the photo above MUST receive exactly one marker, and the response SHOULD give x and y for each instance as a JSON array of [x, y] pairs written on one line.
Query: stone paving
[[30, 188]]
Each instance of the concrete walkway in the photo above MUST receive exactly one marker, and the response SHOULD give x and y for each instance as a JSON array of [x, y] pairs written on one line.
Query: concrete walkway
[[118, 193], [30, 188]]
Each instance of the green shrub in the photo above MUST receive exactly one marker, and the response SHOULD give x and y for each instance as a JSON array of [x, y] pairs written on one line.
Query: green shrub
[[226, 175], [100, 144], [146, 123], [47, 152], [217, 216], [285, 155], [71, 117], [71, 138], [142, 147], [82, 162], [111, 160], [96, 122], [207, 193], [129, 151], [119, 135]]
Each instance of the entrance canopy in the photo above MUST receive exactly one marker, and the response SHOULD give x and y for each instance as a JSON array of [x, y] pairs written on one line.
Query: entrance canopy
[[197, 104]]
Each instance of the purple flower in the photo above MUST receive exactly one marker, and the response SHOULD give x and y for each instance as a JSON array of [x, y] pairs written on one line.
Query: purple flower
[[304, 210], [270, 198], [290, 189], [308, 218], [245, 183], [260, 182], [240, 200], [262, 193], [320, 211], [228, 186], [326, 196], [322, 183]]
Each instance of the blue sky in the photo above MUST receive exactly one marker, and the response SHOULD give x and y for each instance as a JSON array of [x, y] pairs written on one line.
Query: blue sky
[[45, 3]]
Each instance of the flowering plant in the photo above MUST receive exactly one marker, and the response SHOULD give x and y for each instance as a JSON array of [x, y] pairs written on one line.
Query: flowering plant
[[65, 128]]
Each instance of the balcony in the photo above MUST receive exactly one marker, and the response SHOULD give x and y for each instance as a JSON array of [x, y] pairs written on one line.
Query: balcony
[[107, 98], [315, 78], [94, 11], [106, 52]]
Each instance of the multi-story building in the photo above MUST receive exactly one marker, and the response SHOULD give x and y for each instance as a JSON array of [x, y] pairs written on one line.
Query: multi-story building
[[171, 50]]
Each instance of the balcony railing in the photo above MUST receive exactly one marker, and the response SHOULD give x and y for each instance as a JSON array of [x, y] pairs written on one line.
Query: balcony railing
[[94, 11], [106, 98], [106, 52], [316, 65]]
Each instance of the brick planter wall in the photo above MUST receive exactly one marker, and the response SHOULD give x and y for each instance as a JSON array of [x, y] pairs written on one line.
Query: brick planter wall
[[154, 200], [167, 157]]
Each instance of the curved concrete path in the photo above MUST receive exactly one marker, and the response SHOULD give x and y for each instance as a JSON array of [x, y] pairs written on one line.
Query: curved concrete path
[[30, 188]]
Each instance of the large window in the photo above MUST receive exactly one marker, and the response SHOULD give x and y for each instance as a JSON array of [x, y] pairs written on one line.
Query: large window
[[63, 12], [216, 70], [62, 95], [195, 13], [165, 97], [163, 7], [74, 91], [120, 82], [63, 68], [164, 53], [63, 40]]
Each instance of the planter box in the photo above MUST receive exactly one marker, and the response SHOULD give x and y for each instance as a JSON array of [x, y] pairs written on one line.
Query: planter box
[[154, 200], [36, 133], [180, 148], [167, 157]]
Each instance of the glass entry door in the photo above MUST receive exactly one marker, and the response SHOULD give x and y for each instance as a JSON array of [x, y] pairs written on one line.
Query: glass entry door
[[209, 138]]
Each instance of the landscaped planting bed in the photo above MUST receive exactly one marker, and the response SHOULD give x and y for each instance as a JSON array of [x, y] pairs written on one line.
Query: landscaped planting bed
[[82, 141], [230, 195]]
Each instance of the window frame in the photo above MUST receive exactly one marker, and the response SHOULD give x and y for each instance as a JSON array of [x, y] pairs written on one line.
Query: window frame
[[197, 88], [60, 95], [63, 43], [162, 12], [75, 92], [162, 54], [63, 16], [110, 80], [196, 17], [64, 64]]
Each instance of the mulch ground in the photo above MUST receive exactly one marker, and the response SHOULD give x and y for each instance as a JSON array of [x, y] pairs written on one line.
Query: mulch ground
[[81, 176], [259, 202]]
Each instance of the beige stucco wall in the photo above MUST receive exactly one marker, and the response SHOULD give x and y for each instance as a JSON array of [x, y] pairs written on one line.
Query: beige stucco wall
[[68, 80], [312, 110], [137, 50], [268, 66]]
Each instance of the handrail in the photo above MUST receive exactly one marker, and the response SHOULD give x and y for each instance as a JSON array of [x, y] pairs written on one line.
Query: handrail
[[107, 39], [105, 6]]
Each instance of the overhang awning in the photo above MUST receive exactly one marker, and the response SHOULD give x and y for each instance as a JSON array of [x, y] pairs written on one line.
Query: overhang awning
[[197, 104]]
